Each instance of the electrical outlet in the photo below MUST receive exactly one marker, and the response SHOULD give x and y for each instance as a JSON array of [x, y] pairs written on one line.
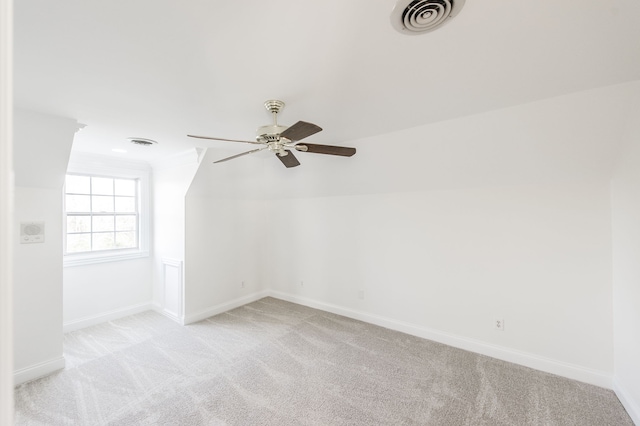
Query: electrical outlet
[[498, 324], [301, 283], [242, 285], [361, 294]]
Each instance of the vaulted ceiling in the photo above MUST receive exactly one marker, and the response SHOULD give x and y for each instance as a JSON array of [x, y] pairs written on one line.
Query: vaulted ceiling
[[162, 69]]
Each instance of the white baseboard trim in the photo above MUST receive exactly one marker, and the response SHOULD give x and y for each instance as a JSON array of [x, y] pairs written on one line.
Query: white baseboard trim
[[159, 309], [106, 316], [560, 368], [223, 307], [632, 407], [36, 371]]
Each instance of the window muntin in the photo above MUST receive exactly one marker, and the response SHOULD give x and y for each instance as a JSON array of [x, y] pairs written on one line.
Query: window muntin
[[102, 213]]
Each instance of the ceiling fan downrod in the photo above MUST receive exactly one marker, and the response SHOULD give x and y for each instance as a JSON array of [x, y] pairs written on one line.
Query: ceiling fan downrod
[[271, 133]]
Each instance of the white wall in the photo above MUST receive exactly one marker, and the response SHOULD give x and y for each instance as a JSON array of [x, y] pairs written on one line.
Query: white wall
[[99, 292], [103, 291], [452, 261], [625, 196], [224, 252], [171, 181], [42, 145], [224, 236], [6, 212], [38, 280], [443, 227]]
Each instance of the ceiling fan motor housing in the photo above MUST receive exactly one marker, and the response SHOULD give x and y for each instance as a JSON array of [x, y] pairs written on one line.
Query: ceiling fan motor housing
[[269, 133]]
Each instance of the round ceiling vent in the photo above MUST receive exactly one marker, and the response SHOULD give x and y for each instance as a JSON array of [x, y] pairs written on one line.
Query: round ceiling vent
[[415, 17], [142, 141]]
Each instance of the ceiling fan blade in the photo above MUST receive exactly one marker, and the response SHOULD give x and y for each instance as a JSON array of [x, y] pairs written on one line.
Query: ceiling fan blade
[[225, 140], [240, 155], [326, 149], [289, 160], [300, 130]]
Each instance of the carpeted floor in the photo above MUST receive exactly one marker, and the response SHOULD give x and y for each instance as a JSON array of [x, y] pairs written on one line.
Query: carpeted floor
[[277, 363]]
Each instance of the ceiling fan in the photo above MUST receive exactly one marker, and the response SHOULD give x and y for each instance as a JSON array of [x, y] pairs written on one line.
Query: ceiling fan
[[282, 140]]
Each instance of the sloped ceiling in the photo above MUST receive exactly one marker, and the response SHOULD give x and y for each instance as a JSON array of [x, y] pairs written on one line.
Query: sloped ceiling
[[162, 69], [568, 139]]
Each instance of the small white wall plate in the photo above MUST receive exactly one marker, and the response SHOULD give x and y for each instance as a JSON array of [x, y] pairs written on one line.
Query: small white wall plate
[[31, 232]]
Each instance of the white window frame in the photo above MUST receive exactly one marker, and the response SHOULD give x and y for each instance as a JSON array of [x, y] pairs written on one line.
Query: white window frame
[[104, 166]]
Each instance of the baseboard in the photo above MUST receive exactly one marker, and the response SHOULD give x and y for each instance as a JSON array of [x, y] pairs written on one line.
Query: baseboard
[[571, 371], [106, 316], [36, 371], [632, 407], [223, 307], [159, 309]]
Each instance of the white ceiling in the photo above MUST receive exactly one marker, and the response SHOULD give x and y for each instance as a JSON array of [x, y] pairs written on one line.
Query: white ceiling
[[161, 69]]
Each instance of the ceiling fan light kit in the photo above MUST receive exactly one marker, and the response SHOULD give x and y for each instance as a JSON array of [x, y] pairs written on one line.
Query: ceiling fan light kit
[[413, 17], [281, 140]]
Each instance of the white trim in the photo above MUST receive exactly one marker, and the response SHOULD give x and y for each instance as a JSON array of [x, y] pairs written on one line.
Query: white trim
[[224, 307], [92, 258], [159, 309], [172, 262], [6, 212], [105, 317], [37, 371], [176, 264], [632, 407], [571, 371]]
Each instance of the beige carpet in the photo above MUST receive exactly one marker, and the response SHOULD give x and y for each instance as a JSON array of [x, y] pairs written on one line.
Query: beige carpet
[[277, 363]]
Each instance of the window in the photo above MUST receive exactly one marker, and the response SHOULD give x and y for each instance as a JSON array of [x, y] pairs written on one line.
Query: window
[[106, 214], [102, 213]]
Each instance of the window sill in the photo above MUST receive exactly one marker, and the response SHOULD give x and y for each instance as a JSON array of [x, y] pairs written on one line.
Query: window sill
[[93, 258]]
